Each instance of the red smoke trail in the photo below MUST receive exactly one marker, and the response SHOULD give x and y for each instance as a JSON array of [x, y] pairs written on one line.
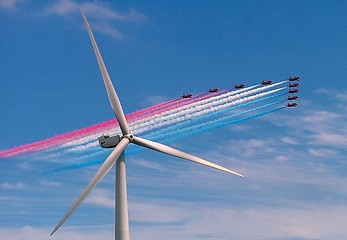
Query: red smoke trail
[[106, 126], [101, 127]]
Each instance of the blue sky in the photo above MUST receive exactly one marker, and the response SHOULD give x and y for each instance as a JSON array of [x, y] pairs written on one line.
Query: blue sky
[[293, 160]]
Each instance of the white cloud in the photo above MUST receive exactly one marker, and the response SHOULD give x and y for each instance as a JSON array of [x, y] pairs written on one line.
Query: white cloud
[[148, 164], [330, 138], [191, 222], [95, 9], [17, 185], [9, 4], [103, 16], [32, 233], [239, 128], [289, 140], [314, 127], [282, 158], [150, 100], [336, 94], [50, 183], [321, 116], [108, 29], [151, 211], [101, 197], [250, 147], [62, 7], [102, 10], [322, 152]]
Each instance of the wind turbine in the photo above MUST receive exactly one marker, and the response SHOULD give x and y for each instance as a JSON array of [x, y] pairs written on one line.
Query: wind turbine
[[117, 155]]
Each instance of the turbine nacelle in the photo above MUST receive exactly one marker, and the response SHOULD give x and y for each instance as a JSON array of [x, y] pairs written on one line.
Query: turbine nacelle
[[106, 141]]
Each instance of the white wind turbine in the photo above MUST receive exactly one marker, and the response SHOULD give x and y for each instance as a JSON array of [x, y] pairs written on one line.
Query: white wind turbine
[[117, 156]]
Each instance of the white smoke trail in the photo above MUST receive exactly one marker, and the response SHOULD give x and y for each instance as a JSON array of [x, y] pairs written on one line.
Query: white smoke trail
[[134, 125], [225, 105], [172, 116], [181, 132], [202, 110], [198, 106], [181, 115], [214, 123]]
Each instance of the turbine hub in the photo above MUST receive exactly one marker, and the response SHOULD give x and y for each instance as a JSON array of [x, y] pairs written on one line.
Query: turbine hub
[[129, 136]]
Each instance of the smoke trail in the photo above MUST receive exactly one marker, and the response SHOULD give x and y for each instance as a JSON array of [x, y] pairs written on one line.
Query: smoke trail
[[88, 135], [177, 129], [172, 136], [212, 100], [181, 115], [186, 101], [160, 119], [134, 124], [172, 115], [210, 114], [196, 113], [218, 123]]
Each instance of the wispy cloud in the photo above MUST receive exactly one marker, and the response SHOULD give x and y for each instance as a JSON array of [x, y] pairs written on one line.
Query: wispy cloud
[[14, 186], [289, 140], [50, 183], [9, 4], [321, 116], [309, 221], [150, 100], [95, 9], [322, 152], [73, 233], [103, 16], [339, 95], [102, 198], [108, 29], [157, 212], [316, 125], [142, 163]]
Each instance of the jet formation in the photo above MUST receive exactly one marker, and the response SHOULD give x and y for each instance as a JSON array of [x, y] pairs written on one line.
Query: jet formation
[[292, 89]]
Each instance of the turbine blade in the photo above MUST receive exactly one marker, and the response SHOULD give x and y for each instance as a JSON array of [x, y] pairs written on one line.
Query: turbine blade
[[177, 153], [111, 92], [103, 170]]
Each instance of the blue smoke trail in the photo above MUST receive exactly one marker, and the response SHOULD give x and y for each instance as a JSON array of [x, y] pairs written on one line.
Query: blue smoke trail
[[209, 115], [172, 130], [169, 137], [86, 142], [216, 123], [200, 128]]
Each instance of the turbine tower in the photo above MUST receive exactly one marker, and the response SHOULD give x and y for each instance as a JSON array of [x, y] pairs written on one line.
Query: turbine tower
[[117, 155]]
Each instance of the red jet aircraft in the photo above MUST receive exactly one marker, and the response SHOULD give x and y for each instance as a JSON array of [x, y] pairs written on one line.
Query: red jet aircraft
[[293, 84], [187, 95], [213, 90], [240, 86], [293, 97], [266, 82], [296, 78], [293, 90], [292, 104]]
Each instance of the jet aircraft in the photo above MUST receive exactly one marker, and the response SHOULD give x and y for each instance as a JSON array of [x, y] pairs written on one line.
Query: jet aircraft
[[187, 95], [293, 97], [240, 86], [293, 90], [296, 78], [211, 90], [266, 82], [292, 104], [293, 84]]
